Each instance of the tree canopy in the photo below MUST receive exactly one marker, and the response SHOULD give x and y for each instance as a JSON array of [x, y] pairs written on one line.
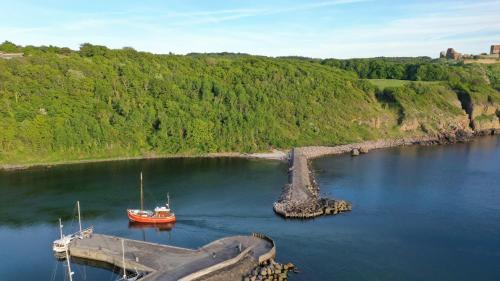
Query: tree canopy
[[59, 104]]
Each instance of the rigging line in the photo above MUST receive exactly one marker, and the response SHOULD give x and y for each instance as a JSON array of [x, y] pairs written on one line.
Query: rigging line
[[113, 273], [54, 272], [150, 194], [66, 273], [85, 272], [74, 215], [80, 272]]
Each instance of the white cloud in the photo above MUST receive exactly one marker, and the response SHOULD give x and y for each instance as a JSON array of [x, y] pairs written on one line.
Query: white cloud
[[432, 27]]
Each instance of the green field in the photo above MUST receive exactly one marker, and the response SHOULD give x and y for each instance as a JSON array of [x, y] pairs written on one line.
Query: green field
[[386, 83]]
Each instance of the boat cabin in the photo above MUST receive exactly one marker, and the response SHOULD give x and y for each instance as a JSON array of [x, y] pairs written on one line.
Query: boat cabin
[[162, 212], [61, 245]]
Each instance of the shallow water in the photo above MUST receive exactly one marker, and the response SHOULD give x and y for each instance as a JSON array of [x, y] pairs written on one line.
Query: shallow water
[[419, 212]]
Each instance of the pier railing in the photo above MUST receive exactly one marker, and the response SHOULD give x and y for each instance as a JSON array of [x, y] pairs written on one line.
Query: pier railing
[[271, 253]]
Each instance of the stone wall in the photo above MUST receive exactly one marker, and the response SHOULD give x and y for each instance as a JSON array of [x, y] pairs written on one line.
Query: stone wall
[[495, 50], [452, 54]]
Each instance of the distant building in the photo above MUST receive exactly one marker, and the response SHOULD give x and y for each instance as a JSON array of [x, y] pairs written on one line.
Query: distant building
[[452, 54], [493, 57], [495, 50]]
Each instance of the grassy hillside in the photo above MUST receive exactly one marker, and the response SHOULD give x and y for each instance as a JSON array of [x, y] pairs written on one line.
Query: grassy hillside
[[58, 104], [381, 84], [425, 108]]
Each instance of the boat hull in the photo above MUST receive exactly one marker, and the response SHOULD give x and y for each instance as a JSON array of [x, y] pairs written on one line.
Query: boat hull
[[149, 219]]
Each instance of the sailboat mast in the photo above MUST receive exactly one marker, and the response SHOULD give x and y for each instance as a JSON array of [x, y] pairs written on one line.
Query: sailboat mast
[[70, 273], [60, 228], [79, 218], [142, 195], [123, 260]]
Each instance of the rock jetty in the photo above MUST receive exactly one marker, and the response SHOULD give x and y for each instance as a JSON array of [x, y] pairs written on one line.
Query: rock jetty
[[270, 270], [301, 197]]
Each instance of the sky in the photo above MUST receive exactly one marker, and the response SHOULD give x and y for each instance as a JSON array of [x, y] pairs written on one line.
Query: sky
[[315, 28]]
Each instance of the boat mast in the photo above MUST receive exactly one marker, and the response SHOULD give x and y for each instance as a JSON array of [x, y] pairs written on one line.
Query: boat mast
[[142, 195], [79, 218], [70, 273], [168, 200], [60, 228], [123, 260]]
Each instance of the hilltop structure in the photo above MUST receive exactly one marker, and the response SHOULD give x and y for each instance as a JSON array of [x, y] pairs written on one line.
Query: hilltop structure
[[452, 54], [492, 57], [495, 50]]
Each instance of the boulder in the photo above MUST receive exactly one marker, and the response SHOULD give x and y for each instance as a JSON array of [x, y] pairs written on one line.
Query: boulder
[[363, 150], [355, 152]]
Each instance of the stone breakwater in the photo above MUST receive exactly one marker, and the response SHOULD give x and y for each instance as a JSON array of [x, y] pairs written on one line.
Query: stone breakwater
[[301, 196], [270, 270]]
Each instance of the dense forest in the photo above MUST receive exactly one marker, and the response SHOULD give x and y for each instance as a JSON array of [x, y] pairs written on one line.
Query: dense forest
[[57, 104]]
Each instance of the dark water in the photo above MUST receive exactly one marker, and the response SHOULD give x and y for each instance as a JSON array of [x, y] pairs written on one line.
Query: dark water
[[420, 213]]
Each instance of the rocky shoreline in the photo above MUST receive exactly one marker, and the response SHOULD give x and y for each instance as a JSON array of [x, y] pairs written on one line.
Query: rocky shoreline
[[301, 197]]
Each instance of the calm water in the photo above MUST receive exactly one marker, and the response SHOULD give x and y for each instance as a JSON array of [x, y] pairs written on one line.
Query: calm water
[[420, 213]]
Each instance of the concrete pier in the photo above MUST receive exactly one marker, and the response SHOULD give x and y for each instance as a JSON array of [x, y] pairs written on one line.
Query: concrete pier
[[222, 259]]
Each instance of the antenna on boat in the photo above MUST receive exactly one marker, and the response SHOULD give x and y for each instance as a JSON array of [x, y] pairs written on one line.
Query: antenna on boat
[[60, 228], [142, 195], [70, 273], [79, 218], [123, 260], [168, 200]]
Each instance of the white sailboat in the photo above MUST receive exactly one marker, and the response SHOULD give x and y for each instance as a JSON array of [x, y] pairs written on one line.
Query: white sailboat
[[132, 277], [61, 245]]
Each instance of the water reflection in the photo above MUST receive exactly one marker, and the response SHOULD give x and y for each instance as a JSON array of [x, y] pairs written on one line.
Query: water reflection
[[431, 213], [157, 226]]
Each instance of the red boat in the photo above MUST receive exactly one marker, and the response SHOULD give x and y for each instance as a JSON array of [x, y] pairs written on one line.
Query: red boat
[[160, 215]]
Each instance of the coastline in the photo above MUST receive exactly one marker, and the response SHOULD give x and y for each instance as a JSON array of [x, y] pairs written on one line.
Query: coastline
[[275, 154]]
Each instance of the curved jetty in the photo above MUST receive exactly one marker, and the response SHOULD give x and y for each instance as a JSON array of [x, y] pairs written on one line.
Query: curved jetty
[[300, 197], [224, 259]]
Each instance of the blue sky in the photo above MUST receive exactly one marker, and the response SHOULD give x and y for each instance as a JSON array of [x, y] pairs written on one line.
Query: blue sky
[[315, 28]]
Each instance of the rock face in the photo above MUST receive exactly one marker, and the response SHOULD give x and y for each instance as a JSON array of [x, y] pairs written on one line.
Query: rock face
[[483, 113], [484, 117]]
